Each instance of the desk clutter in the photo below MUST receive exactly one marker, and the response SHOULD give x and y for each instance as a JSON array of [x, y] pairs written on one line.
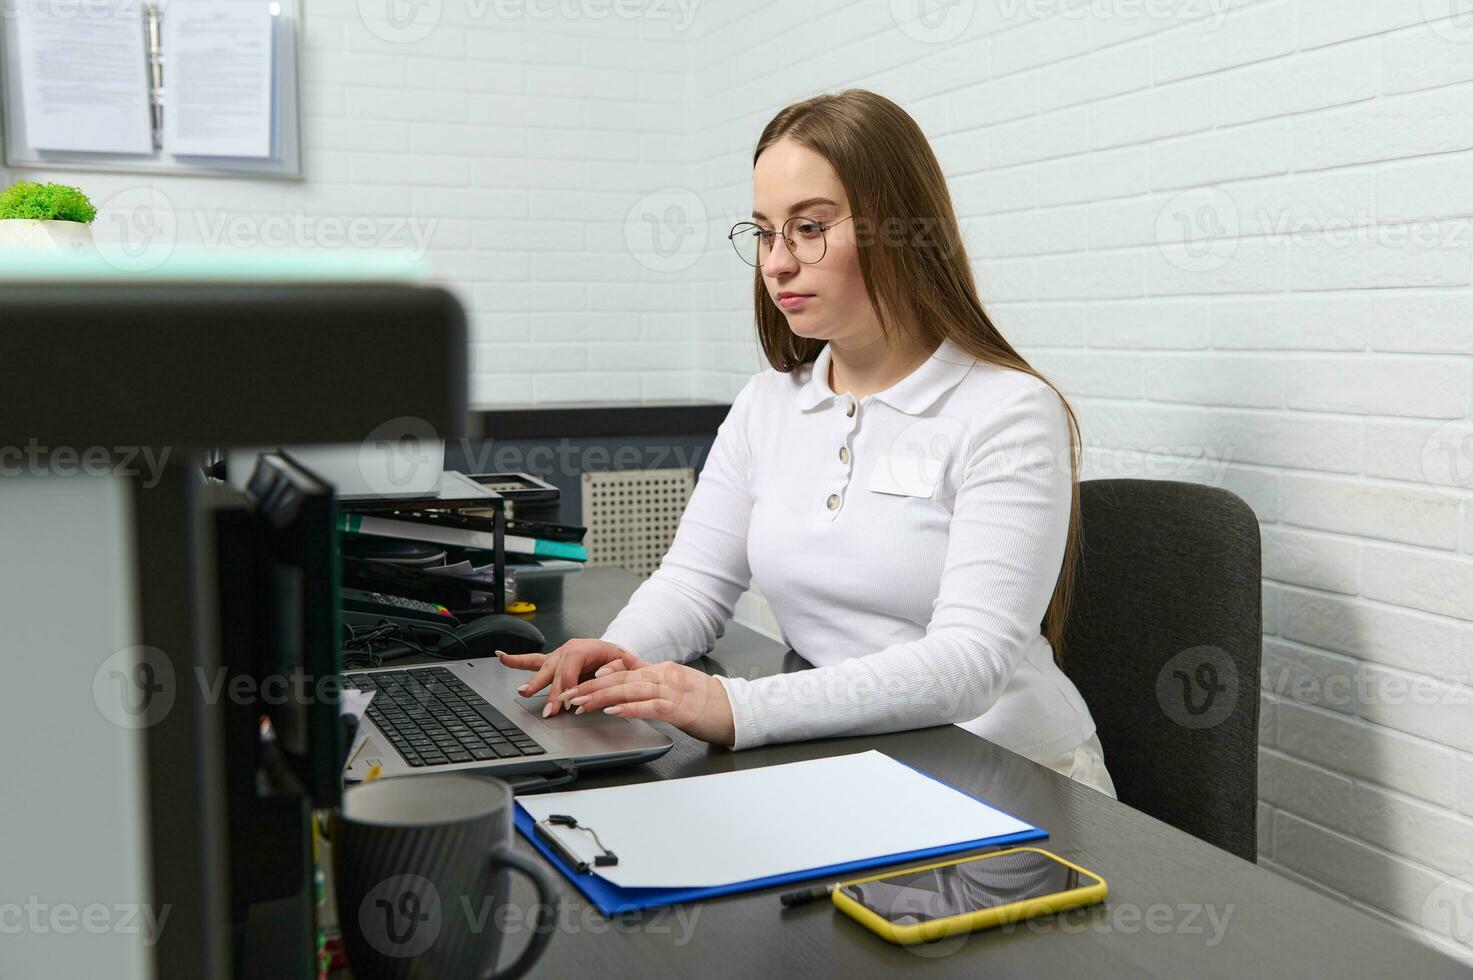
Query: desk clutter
[[432, 571], [449, 554]]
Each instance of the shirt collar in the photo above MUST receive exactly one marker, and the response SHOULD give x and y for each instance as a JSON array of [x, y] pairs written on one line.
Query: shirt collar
[[912, 394]]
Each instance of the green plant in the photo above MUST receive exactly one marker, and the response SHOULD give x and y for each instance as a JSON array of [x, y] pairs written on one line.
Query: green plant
[[46, 202]]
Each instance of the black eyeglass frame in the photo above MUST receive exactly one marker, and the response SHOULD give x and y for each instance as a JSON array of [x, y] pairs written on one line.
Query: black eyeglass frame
[[740, 226]]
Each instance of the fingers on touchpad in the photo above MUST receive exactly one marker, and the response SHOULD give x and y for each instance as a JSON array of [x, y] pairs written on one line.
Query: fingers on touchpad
[[534, 705]]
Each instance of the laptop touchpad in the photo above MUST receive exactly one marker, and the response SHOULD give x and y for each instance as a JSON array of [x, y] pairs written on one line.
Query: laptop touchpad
[[566, 717]]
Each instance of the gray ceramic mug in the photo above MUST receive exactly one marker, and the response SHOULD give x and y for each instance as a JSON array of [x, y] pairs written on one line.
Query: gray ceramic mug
[[420, 865]]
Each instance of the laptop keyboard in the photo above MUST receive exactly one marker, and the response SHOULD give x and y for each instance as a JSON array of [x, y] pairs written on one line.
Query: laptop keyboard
[[433, 717]]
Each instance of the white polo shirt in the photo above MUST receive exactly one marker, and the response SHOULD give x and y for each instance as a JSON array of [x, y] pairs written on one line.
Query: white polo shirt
[[907, 542]]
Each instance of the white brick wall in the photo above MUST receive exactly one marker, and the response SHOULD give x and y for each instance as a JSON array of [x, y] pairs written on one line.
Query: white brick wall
[[1238, 232]]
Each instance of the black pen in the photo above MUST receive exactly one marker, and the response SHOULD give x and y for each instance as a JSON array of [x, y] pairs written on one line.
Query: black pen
[[805, 895]]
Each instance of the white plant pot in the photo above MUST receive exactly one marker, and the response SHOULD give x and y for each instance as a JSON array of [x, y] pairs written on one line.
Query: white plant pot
[[47, 237]]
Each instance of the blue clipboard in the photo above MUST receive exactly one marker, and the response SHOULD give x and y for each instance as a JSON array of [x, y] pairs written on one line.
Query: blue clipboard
[[612, 899]]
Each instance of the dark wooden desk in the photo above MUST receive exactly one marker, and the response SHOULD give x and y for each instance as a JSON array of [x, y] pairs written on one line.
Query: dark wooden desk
[[1177, 908]]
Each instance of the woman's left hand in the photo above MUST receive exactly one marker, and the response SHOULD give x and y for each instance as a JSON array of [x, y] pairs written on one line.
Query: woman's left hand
[[692, 701]]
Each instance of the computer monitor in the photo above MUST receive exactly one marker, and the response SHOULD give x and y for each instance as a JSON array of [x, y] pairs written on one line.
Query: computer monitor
[[298, 670], [230, 353]]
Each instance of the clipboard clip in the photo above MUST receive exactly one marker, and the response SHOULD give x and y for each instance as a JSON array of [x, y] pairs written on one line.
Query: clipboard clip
[[607, 859]]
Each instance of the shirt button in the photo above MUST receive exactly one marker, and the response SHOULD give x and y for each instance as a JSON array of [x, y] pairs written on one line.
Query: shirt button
[[833, 501], [850, 411], [843, 454]]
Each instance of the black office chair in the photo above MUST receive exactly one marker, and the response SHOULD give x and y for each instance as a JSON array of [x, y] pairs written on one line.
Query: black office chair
[[1164, 639]]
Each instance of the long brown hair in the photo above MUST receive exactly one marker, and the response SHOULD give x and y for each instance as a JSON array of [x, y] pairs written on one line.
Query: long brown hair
[[895, 184]]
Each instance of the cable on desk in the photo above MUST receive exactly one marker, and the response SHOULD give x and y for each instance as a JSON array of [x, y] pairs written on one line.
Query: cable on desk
[[526, 784], [359, 646]]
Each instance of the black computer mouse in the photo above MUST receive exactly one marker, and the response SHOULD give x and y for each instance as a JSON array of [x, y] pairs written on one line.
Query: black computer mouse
[[483, 637]]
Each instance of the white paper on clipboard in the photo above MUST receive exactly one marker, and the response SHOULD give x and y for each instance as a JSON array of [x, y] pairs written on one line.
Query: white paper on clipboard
[[706, 831]]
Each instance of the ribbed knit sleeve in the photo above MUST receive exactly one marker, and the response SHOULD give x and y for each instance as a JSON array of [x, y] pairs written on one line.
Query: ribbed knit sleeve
[[681, 610], [1006, 546]]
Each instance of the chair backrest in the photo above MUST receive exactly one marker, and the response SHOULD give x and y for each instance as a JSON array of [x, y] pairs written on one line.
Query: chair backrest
[[1164, 639]]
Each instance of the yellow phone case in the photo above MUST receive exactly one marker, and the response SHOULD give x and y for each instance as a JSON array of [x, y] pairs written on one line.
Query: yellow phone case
[[933, 929]]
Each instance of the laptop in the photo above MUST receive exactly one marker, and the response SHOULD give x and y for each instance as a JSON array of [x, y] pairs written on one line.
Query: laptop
[[467, 715]]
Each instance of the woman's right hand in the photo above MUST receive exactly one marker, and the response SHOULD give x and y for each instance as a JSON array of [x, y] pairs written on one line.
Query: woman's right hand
[[564, 668]]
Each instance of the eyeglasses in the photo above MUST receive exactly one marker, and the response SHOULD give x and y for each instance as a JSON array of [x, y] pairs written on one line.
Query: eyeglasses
[[803, 236]]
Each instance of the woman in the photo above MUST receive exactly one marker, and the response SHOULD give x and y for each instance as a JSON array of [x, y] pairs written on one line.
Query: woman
[[901, 485]]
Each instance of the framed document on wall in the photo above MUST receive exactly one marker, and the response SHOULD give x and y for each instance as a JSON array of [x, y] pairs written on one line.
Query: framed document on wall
[[203, 87]]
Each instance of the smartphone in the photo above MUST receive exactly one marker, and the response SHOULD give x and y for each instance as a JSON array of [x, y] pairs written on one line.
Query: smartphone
[[930, 902]]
